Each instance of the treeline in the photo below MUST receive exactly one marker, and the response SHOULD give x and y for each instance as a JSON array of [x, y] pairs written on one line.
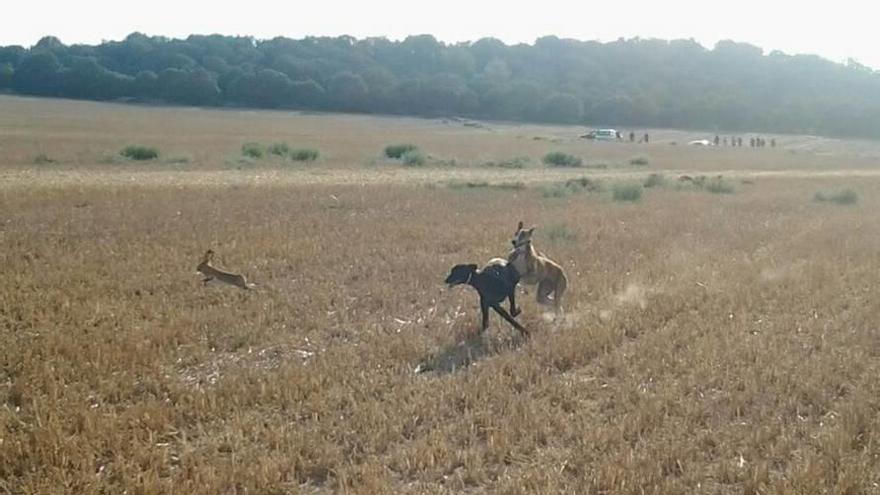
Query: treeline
[[636, 82]]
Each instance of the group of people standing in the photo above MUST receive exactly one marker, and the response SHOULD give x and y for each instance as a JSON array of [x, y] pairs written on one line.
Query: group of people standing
[[632, 137], [754, 142], [736, 141]]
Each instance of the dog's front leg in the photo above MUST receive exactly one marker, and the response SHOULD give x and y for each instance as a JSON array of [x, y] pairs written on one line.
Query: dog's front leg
[[484, 308], [514, 311]]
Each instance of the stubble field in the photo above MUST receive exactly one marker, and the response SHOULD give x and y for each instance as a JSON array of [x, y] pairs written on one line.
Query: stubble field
[[715, 340]]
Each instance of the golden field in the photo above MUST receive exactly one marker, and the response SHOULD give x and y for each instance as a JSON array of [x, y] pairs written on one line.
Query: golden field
[[712, 343]]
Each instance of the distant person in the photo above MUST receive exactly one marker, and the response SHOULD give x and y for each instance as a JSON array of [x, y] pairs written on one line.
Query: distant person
[[619, 138], [725, 141], [739, 142], [773, 142], [751, 142], [717, 140], [632, 137], [647, 140]]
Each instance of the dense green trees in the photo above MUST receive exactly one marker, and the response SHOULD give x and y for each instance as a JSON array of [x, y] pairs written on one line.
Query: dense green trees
[[6, 73], [634, 82], [38, 73]]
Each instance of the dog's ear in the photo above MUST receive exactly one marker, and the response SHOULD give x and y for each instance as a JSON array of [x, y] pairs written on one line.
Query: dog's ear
[[532, 229], [520, 226]]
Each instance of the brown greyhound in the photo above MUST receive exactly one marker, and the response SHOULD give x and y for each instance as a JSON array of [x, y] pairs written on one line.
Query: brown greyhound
[[535, 268]]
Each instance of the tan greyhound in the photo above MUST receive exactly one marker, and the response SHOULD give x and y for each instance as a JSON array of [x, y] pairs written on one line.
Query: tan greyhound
[[535, 268]]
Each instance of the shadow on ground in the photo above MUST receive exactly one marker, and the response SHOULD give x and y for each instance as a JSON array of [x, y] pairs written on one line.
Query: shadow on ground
[[460, 355]]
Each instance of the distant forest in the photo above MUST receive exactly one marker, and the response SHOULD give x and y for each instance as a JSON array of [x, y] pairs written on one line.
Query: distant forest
[[635, 82]]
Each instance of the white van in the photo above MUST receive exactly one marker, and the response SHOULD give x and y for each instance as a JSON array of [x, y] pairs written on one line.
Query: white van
[[602, 135]]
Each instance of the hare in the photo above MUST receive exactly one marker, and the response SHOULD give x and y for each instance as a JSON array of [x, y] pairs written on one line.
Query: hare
[[212, 273]]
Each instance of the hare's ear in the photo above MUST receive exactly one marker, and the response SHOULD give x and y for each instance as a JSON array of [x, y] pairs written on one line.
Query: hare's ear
[[519, 226]]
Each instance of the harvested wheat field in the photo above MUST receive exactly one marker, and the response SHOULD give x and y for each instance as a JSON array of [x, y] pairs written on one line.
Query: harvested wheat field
[[720, 334]]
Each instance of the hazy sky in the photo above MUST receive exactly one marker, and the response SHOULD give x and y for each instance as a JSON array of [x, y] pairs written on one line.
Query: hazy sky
[[835, 30]]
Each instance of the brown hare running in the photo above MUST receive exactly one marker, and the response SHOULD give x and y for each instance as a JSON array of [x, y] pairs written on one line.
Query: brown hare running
[[212, 273]]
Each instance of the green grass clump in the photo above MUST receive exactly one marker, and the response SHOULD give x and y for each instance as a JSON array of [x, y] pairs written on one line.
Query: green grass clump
[[304, 155], [502, 186], [843, 197], [178, 160], [253, 150], [139, 152], [583, 184], [510, 186], [512, 163], [242, 163], [399, 150], [654, 180], [626, 191], [279, 149], [556, 191], [445, 162], [460, 184], [639, 160], [571, 186], [560, 159], [718, 185], [413, 158], [43, 159]]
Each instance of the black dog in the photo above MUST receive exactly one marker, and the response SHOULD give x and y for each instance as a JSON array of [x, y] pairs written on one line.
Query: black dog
[[495, 282]]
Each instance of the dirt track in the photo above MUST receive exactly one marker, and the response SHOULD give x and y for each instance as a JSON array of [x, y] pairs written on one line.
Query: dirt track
[[84, 178], [67, 178]]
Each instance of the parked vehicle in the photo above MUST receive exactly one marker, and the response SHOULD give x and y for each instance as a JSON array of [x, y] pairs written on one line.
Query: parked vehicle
[[602, 135]]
